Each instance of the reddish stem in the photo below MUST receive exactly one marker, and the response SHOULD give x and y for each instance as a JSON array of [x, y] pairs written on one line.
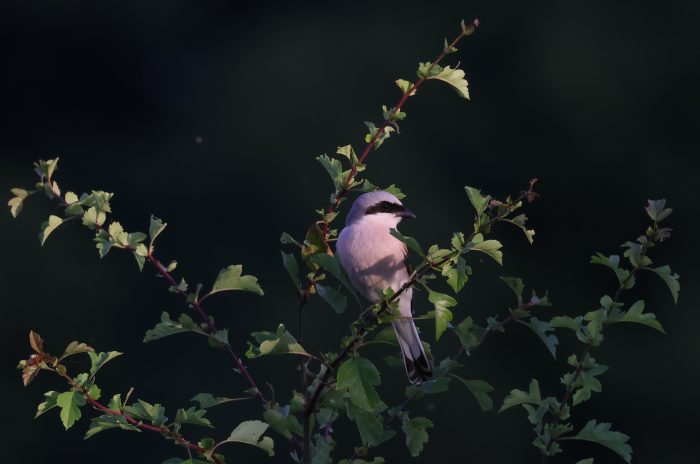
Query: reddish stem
[[211, 328]]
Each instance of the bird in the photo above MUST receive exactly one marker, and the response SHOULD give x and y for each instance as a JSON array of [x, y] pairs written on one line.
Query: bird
[[375, 260]]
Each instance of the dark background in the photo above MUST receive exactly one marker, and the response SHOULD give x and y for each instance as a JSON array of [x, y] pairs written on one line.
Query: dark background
[[598, 99]]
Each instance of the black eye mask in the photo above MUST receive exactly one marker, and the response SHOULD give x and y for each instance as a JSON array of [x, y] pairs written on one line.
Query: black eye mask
[[384, 207]]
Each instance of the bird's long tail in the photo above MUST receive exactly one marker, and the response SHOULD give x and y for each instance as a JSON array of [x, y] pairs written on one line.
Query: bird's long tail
[[417, 364]]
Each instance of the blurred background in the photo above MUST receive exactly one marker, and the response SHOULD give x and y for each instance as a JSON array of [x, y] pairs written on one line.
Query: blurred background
[[209, 114]]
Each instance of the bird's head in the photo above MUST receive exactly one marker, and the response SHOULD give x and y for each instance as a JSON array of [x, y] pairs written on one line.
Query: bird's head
[[378, 206]]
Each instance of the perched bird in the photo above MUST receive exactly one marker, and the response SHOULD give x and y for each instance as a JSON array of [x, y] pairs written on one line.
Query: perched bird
[[375, 260]]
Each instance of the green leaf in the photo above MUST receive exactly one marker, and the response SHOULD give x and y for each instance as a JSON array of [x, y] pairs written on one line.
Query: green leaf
[[155, 228], [468, 334], [585, 461], [491, 248], [70, 403], [153, 413], [601, 434], [454, 77], [207, 400], [250, 433], [480, 389], [45, 169], [516, 397], [519, 221], [394, 190], [231, 278], [335, 169], [478, 201], [636, 314], [416, 434], [167, 327], [17, 202], [369, 425], [657, 211], [107, 422], [75, 348], [333, 297], [443, 315], [516, 284], [457, 275], [286, 239], [279, 342], [282, 422], [359, 376], [97, 360], [405, 86], [49, 403], [49, 226], [192, 416], [566, 322], [669, 277], [290, 264], [542, 329], [332, 265], [613, 262], [411, 242]]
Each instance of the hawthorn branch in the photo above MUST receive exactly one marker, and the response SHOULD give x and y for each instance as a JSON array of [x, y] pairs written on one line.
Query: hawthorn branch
[[587, 351], [210, 327], [164, 430], [196, 304]]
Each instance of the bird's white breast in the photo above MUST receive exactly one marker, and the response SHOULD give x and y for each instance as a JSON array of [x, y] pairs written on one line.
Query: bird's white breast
[[372, 257]]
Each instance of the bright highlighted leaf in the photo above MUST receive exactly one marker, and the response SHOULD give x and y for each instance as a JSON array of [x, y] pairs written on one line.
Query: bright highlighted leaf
[[454, 77], [333, 297], [48, 227], [279, 342], [155, 228], [443, 315], [416, 435], [231, 278], [480, 389], [250, 433], [70, 403], [670, 278], [359, 376], [601, 434], [491, 248]]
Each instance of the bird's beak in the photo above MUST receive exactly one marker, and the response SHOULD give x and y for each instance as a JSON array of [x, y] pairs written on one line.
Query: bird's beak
[[405, 213]]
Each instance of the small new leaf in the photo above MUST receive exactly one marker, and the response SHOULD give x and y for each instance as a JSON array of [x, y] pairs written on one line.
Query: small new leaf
[[49, 226]]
